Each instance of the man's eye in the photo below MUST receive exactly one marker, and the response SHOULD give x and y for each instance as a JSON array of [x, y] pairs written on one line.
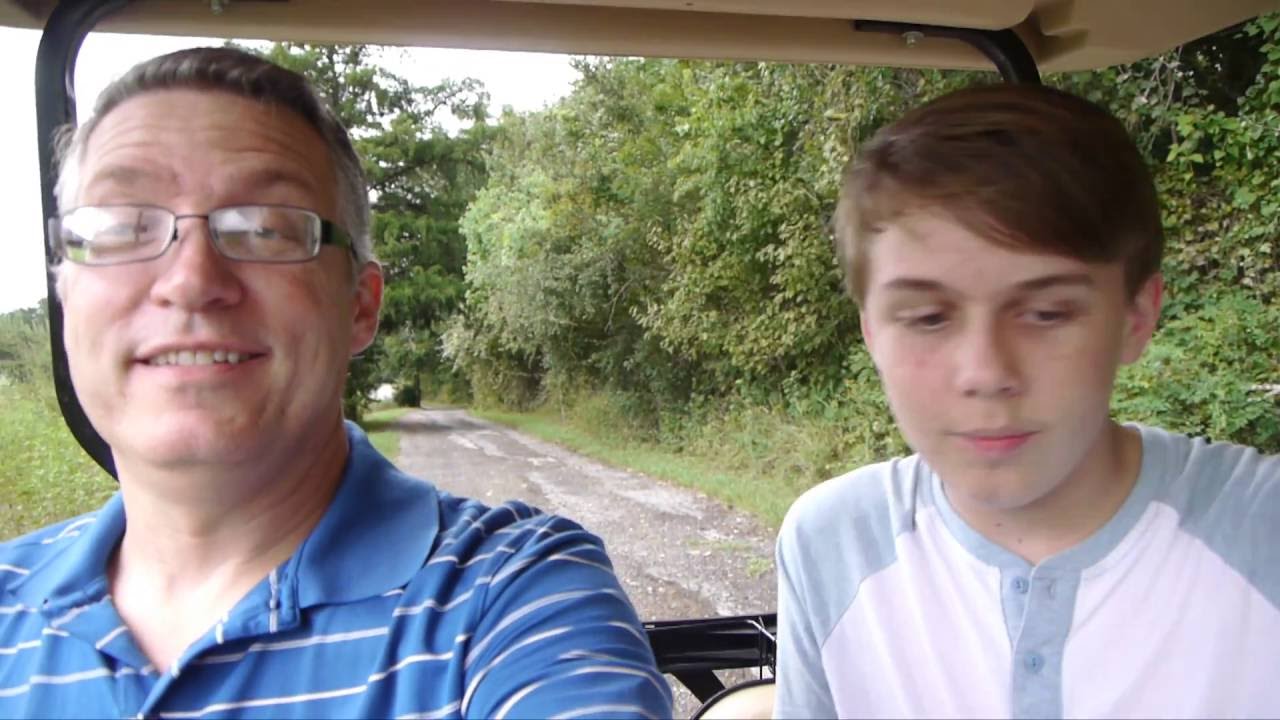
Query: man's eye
[[120, 233]]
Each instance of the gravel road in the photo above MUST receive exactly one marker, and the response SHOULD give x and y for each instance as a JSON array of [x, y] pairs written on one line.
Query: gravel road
[[678, 553]]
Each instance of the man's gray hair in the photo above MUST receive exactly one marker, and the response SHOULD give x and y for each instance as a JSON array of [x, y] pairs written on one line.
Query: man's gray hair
[[247, 75]]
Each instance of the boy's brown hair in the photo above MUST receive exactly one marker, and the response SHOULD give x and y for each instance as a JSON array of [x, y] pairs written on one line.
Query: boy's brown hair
[[1023, 166]]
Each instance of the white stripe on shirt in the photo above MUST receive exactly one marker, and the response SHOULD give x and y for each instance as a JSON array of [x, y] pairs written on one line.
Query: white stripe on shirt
[[479, 676], [292, 644], [109, 637], [523, 610]]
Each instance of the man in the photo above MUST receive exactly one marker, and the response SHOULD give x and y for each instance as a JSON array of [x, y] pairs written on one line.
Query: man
[[1035, 558], [261, 558]]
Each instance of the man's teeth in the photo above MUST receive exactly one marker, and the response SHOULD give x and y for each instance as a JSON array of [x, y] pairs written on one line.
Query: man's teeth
[[198, 357]]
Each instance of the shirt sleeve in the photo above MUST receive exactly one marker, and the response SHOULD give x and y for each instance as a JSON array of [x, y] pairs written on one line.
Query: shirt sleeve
[[802, 684], [558, 638]]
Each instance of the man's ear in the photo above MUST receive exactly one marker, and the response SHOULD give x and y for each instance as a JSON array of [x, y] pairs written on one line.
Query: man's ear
[[1143, 316], [367, 307]]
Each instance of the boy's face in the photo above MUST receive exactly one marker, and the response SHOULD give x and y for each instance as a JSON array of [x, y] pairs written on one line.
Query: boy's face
[[998, 364]]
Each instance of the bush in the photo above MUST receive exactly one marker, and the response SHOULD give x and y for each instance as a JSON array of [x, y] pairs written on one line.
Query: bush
[[1202, 372], [409, 396]]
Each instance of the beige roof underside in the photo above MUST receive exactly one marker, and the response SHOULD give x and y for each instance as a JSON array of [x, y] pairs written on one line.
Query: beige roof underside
[[1061, 34]]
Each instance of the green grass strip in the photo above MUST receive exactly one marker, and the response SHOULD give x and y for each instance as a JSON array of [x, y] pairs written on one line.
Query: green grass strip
[[767, 498]]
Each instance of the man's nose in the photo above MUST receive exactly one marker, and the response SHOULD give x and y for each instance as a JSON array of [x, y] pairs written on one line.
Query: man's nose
[[986, 361], [194, 276]]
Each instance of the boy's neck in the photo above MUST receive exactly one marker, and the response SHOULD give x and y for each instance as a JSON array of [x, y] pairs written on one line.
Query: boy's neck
[[1076, 509]]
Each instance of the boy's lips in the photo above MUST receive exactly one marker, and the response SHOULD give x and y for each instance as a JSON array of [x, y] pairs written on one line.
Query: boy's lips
[[997, 442]]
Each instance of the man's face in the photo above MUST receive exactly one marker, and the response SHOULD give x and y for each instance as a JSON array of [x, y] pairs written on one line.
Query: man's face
[[293, 326], [998, 365]]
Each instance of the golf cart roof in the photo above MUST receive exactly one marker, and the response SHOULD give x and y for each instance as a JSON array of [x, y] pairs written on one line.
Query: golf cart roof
[[1060, 34]]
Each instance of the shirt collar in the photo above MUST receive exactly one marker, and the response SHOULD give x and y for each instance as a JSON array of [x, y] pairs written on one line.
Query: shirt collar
[[374, 537], [1151, 475], [74, 570]]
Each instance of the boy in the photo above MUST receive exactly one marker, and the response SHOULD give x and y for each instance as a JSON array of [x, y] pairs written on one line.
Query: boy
[[1034, 558]]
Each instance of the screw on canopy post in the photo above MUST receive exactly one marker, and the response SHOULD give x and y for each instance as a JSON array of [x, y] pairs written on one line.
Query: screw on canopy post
[[1004, 48]]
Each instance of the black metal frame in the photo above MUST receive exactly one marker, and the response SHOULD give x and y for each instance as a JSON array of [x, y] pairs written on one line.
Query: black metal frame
[[692, 650], [1003, 48], [68, 25]]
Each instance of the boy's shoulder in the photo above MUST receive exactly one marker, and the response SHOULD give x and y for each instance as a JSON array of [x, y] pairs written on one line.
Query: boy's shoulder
[[1199, 476], [852, 520], [883, 491], [1224, 495]]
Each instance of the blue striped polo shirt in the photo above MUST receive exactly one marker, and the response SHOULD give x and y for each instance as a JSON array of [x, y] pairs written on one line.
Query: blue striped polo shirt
[[404, 601]]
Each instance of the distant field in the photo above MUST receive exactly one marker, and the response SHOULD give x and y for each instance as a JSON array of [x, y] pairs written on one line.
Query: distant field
[[44, 474]]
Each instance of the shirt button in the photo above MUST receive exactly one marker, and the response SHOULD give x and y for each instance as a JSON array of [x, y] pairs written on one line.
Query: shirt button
[[1051, 589], [1020, 585], [1033, 662]]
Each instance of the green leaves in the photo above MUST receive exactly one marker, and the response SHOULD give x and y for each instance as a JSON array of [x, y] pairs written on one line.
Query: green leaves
[[421, 179]]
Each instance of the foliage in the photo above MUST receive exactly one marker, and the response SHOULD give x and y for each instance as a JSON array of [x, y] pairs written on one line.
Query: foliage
[[24, 347], [661, 236], [44, 475], [1204, 371], [421, 178]]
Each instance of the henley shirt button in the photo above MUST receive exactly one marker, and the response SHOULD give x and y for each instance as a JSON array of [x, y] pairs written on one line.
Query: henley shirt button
[[1051, 589], [1033, 662], [1020, 585]]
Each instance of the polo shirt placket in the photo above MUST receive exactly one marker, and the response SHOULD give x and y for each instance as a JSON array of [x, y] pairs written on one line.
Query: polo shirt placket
[[1039, 601]]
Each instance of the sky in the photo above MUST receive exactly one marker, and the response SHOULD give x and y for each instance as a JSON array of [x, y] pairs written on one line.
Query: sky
[[524, 81]]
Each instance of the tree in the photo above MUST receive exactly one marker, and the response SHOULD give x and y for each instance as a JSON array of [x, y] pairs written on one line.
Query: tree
[[421, 179]]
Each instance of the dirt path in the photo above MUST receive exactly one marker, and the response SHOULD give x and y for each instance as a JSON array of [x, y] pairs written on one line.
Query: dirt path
[[678, 553]]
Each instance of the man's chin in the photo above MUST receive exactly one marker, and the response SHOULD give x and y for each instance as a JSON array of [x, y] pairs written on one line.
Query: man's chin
[[189, 447]]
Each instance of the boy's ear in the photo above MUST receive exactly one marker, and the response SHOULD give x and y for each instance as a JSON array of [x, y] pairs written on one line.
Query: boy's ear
[[866, 331], [1143, 317]]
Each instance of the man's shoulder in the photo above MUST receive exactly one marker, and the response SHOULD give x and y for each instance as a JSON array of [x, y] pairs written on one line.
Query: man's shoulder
[[22, 555], [463, 518], [513, 537]]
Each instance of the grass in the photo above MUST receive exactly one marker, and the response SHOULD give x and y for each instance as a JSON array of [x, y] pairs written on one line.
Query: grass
[[44, 474], [381, 427]]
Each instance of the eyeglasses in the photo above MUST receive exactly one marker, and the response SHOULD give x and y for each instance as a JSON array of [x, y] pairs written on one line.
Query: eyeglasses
[[117, 234]]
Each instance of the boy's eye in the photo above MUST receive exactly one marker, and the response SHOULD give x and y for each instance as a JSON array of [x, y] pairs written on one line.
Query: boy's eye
[[1048, 316], [926, 321]]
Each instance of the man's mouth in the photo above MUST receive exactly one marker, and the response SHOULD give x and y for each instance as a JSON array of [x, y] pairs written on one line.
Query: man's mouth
[[199, 357]]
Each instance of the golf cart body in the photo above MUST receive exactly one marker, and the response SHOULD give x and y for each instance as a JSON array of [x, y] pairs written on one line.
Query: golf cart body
[[1020, 38]]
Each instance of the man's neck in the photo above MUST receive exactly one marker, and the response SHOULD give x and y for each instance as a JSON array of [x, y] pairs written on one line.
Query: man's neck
[[1073, 511], [187, 557]]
